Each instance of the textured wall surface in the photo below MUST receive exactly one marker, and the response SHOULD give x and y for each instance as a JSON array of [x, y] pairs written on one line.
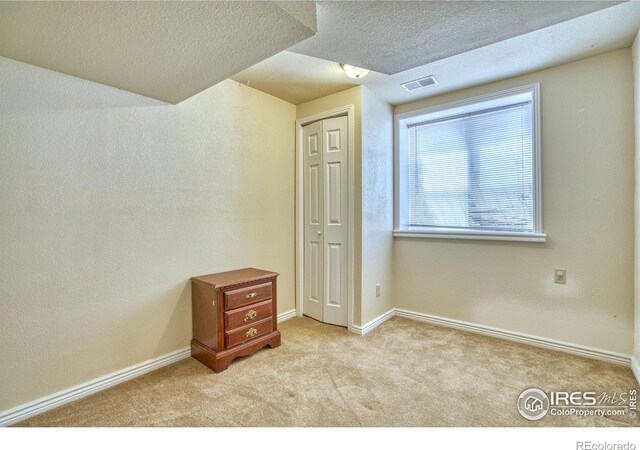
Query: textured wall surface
[[636, 86], [377, 205], [110, 201], [588, 189], [353, 97]]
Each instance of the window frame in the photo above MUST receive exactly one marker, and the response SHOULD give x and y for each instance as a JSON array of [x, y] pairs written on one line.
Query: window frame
[[401, 123]]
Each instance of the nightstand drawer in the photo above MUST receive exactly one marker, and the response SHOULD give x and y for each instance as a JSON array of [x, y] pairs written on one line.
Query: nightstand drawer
[[247, 315], [247, 295], [246, 333]]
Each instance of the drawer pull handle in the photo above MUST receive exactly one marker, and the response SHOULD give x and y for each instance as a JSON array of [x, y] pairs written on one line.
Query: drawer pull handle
[[253, 294], [250, 315], [251, 332]]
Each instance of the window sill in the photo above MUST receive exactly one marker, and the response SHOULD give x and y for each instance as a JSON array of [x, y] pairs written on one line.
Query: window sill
[[478, 235]]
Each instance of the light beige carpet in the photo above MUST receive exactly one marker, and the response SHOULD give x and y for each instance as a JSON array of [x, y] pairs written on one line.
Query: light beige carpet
[[404, 373]]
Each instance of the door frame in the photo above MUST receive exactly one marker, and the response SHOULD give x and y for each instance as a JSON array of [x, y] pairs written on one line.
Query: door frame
[[347, 110]]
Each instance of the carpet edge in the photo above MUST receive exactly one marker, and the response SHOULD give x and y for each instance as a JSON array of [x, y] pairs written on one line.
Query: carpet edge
[[46, 403], [536, 341]]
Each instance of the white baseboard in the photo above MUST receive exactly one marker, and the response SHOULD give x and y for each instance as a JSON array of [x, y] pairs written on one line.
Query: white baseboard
[[536, 341], [60, 398], [375, 323], [635, 368], [287, 315], [43, 404], [602, 355]]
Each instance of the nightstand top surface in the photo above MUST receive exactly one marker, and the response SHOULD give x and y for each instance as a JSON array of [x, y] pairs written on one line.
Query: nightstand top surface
[[222, 279]]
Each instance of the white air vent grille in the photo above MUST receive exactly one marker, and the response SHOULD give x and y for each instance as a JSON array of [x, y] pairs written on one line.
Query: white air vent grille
[[420, 83]]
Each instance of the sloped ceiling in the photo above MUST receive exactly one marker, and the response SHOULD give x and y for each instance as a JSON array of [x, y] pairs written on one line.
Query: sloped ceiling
[[394, 36], [164, 50]]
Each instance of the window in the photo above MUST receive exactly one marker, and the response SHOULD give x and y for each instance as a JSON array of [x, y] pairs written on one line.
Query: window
[[471, 169]]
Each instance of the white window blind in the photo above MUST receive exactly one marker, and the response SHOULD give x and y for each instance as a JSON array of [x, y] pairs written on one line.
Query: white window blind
[[473, 171], [471, 168]]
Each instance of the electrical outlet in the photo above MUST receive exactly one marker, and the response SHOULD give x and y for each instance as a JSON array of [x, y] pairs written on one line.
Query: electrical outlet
[[377, 290], [560, 276]]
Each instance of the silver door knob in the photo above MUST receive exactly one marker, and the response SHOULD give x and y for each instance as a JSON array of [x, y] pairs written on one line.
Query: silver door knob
[[319, 233]]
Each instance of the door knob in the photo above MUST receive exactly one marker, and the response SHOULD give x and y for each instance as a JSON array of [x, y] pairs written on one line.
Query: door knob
[[319, 233]]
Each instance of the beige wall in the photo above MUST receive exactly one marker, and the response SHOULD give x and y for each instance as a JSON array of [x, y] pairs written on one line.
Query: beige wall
[[110, 201], [588, 191], [377, 205], [353, 97], [635, 50]]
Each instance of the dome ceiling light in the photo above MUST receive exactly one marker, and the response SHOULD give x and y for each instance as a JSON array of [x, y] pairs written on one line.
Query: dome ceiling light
[[354, 72]]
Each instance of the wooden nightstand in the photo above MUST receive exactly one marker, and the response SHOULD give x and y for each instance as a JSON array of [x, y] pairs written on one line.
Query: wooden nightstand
[[234, 314]]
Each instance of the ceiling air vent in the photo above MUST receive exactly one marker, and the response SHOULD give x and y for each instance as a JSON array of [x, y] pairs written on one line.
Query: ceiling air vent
[[420, 83]]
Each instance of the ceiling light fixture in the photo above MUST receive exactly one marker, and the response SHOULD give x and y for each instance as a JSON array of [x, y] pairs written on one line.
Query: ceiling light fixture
[[354, 72]]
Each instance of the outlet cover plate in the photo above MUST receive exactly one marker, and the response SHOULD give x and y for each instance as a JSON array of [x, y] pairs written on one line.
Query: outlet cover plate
[[560, 276]]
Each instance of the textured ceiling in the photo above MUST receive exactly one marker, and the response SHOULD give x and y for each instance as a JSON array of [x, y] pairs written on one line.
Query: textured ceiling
[[164, 50], [394, 36], [298, 78]]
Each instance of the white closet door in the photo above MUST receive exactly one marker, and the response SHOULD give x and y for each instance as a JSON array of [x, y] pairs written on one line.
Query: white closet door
[[335, 160], [313, 221], [326, 230]]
